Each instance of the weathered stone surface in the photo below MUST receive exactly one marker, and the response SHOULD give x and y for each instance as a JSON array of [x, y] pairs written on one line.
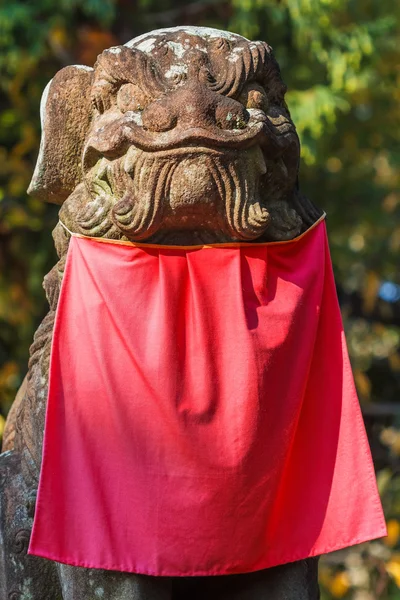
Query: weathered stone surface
[[22, 577], [182, 136]]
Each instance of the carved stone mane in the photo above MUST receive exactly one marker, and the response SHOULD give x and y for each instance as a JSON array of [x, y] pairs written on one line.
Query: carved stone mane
[[181, 136]]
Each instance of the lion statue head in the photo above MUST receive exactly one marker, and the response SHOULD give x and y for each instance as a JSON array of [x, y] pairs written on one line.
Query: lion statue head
[[181, 135]]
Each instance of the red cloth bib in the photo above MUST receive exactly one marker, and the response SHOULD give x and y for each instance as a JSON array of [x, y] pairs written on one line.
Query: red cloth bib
[[202, 417]]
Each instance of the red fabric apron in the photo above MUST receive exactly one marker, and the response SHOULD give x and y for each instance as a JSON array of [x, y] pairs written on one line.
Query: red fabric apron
[[202, 417]]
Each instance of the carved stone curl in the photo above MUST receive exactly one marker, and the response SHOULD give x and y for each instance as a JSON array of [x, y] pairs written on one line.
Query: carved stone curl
[[181, 136]]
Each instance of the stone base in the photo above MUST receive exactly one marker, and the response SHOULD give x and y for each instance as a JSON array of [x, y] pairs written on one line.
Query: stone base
[[21, 576]]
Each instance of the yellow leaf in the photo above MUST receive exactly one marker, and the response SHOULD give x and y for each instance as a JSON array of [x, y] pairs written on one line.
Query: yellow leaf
[[393, 529], [339, 585], [393, 568], [363, 384]]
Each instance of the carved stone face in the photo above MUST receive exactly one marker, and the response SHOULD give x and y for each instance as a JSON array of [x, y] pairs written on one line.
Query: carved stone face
[[182, 134]]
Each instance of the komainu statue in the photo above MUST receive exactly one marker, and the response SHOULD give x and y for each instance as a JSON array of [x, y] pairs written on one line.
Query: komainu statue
[[179, 140]]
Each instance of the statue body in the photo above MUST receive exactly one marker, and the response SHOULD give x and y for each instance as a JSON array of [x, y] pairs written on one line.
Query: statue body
[[181, 136]]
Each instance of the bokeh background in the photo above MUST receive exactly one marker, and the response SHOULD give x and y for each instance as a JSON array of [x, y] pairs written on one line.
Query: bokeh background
[[341, 62]]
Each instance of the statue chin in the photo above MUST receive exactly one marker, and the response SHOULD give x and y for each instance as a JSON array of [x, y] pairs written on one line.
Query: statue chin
[[193, 187], [206, 188]]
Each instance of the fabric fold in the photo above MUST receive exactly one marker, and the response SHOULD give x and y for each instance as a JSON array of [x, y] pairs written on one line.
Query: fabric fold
[[202, 417]]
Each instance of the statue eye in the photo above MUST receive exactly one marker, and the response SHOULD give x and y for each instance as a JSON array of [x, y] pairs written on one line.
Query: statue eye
[[254, 96], [131, 97]]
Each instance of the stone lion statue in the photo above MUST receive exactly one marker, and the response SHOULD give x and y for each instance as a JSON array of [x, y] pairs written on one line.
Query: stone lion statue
[[180, 136]]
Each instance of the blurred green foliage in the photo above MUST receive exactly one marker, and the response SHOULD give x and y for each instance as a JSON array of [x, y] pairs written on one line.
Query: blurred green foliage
[[341, 61]]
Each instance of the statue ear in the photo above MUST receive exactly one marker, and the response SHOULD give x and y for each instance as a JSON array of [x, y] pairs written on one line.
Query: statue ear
[[65, 113]]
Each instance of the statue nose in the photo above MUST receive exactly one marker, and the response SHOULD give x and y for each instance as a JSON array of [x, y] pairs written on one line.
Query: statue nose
[[194, 106]]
